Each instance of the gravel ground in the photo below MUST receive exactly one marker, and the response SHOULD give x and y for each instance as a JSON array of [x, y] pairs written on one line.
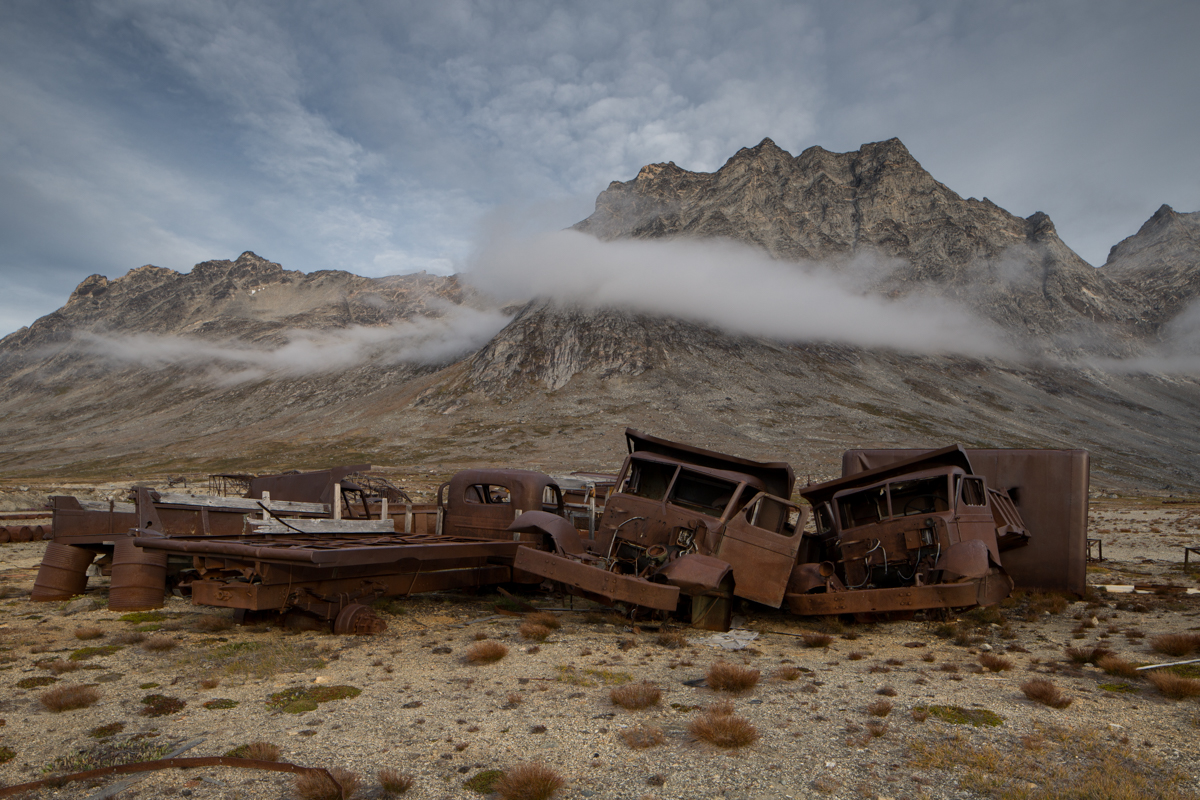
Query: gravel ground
[[424, 710]]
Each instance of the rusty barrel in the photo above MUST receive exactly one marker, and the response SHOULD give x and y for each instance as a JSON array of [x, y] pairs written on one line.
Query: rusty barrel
[[25, 534], [5, 535], [139, 578], [63, 573]]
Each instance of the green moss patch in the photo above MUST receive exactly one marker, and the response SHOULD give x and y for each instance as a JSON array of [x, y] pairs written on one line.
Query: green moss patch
[[220, 703], [484, 782], [6, 755], [139, 617], [84, 653], [261, 659], [33, 683], [150, 685], [159, 705], [300, 699], [1120, 688], [957, 715], [105, 731]]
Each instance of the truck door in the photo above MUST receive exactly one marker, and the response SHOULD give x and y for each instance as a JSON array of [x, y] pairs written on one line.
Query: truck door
[[760, 543]]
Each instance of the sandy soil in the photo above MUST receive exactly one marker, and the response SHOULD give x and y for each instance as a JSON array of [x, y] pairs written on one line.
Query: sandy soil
[[423, 709]]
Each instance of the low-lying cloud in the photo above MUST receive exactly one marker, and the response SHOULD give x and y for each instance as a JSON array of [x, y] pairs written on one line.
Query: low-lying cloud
[[735, 288], [422, 340]]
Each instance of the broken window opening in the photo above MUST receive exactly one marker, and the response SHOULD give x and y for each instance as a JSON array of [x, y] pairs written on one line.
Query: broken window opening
[[921, 496], [863, 508], [769, 514], [487, 494], [649, 479], [702, 493], [973, 493]]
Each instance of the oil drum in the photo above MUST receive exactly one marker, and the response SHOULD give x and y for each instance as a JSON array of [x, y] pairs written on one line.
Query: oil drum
[[63, 573], [139, 578]]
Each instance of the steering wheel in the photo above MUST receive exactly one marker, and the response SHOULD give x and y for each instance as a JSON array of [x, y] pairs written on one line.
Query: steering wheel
[[924, 504]]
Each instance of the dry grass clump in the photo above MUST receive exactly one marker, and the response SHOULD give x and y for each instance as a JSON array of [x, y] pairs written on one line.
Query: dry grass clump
[[318, 786], [545, 618], [1040, 690], [159, 644], [209, 683], [130, 637], [877, 728], [641, 737], [394, 781], [994, 662], [1174, 686], [788, 673], [672, 640], [732, 678], [920, 714], [1087, 655], [259, 751], [213, 623], [719, 726], [60, 666], [887, 691], [1175, 644], [90, 632], [880, 708], [534, 631], [816, 639], [634, 696], [486, 652], [514, 699], [1114, 665], [69, 698], [529, 782]]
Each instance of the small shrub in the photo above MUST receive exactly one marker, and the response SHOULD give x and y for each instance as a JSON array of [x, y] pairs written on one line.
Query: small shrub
[[213, 623], [514, 699], [877, 728], [300, 699], [318, 786], [672, 640], [130, 637], [483, 782], [634, 696], [720, 727], [259, 751], [816, 639], [886, 691], [994, 662], [538, 729], [1114, 665], [486, 652], [1175, 644], [1040, 690], [394, 781], [534, 631], [69, 698], [880, 708], [1174, 686], [920, 714], [788, 673], [641, 737], [6, 755], [857, 656], [140, 617], [150, 685], [529, 782], [159, 644], [90, 632], [545, 618], [732, 678], [209, 683], [58, 667], [159, 705]]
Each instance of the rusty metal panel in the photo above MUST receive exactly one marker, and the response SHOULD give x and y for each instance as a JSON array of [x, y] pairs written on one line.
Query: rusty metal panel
[[763, 552], [622, 588], [984, 591], [304, 487], [1050, 490], [472, 510], [776, 476]]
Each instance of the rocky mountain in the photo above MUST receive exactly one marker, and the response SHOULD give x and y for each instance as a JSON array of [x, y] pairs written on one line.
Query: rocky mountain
[[244, 365]]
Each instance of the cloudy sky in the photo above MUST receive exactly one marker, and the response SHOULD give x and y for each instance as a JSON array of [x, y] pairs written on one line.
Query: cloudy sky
[[382, 137]]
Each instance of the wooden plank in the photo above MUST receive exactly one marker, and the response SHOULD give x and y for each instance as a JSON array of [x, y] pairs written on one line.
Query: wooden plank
[[248, 504]]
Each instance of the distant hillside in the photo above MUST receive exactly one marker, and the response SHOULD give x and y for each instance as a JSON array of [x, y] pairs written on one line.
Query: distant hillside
[[242, 364]]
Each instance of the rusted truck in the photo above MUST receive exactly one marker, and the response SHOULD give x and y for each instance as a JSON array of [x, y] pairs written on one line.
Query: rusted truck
[[685, 530], [918, 533]]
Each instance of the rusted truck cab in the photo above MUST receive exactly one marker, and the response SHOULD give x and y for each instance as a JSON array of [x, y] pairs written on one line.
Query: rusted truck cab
[[922, 533], [483, 503], [686, 521]]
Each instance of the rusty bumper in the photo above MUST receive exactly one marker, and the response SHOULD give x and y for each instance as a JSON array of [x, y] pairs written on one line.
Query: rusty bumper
[[979, 592], [621, 588]]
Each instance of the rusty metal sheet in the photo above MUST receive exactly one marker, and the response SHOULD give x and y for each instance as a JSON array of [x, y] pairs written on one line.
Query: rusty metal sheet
[[695, 573], [965, 560], [622, 588], [257, 597], [484, 502], [760, 544], [777, 476], [563, 533], [304, 487], [333, 550], [1050, 490], [984, 591]]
